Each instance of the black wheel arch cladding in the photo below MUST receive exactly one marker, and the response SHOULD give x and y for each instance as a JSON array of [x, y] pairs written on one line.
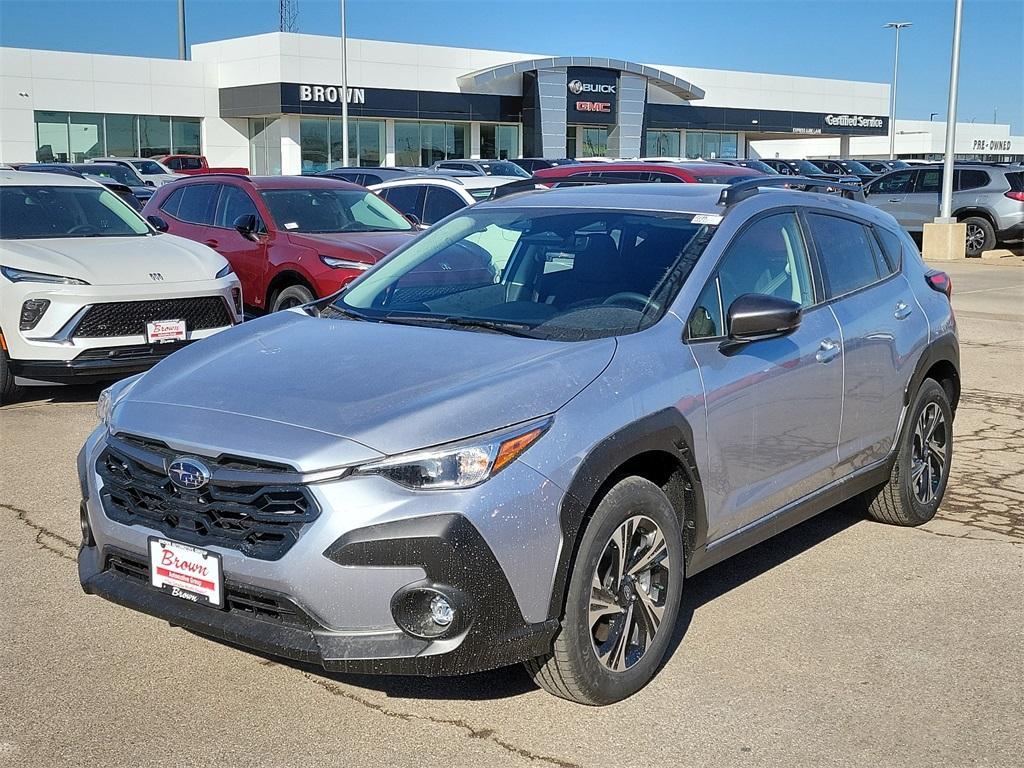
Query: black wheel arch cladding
[[665, 432]]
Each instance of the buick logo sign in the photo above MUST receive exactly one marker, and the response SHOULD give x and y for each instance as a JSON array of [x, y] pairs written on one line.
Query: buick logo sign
[[576, 87], [188, 473]]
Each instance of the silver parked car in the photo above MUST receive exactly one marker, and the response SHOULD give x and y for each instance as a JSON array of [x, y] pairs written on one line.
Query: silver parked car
[[987, 197], [514, 439]]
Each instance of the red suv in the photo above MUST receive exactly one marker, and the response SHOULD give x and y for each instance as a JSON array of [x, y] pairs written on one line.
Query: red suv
[[637, 170], [290, 239]]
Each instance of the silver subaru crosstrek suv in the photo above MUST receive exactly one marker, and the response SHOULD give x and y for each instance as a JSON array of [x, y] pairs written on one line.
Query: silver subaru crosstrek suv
[[515, 438]]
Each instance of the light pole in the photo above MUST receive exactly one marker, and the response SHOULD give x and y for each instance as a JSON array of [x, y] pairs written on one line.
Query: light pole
[[954, 83], [344, 86], [182, 54], [897, 25]]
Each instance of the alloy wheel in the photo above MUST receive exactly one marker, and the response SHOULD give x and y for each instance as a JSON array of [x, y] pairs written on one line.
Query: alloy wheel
[[928, 458], [628, 593], [975, 237]]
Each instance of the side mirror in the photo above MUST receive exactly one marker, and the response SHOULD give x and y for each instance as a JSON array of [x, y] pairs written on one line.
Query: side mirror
[[246, 226], [149, 183], [158, 224], [413, 219], [756, 316]]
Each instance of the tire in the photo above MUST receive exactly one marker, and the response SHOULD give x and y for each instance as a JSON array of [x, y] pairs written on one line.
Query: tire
[[573, 670], [981, 235], [913, 492], [292, 296], [9, 391]]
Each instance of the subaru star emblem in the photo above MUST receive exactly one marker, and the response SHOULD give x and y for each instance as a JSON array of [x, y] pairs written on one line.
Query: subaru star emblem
[[188, 473]]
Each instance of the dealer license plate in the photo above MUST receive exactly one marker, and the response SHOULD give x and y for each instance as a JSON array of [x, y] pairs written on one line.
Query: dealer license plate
[[160, 331], [191, 573]]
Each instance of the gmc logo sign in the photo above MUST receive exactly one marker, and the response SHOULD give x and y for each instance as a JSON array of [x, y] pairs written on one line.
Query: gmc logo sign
[[593, 106]]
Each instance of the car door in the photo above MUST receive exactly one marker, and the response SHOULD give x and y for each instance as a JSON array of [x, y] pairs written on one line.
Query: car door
[[247, 257], [883, 330], [889, 193], [773, 407], [921, 204]]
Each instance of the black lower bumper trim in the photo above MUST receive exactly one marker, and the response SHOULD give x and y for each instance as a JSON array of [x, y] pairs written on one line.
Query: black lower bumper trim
[[99, 364]]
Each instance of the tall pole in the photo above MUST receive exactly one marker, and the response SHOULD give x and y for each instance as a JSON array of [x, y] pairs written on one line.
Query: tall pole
[[344, 86], [954, 83], [897, 25], [181, 30]]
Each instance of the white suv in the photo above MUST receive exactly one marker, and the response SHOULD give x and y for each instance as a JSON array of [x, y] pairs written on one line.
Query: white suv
[[428, 199], [89, 291]]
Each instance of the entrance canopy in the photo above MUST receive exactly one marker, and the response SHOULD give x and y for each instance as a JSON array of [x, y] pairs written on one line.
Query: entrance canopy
[[483, 78]]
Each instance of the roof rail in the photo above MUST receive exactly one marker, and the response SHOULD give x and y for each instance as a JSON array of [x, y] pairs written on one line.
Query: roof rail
[[741, 190], [218, 173]]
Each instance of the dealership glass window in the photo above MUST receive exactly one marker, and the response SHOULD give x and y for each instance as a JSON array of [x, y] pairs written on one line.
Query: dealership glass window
[[500, 142], [86, 136], [426, 143], [265, 146], [154, 135], [185, 135], [313, 136], [52, 137], [121, 136], [322, 147], [594, 142], [662, 144], [711, 144]]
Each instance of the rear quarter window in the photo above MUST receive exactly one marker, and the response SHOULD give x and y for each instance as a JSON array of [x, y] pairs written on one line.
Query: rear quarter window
[[970, 178]]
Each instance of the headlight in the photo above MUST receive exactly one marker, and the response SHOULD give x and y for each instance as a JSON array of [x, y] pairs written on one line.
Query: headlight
[[23, 276], [226, 271], [111, 396], [335, 263], [458, 465]]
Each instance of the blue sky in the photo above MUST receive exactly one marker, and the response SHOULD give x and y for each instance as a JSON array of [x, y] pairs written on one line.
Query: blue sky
[[818, 38]]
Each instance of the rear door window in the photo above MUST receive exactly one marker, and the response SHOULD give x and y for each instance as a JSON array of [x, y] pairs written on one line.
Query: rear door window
[[408, 199], [197, 203], [847, 255], [439, 203]]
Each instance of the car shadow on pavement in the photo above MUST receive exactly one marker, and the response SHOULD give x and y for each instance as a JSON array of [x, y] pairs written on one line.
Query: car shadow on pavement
[[509, 682], [38, 395]]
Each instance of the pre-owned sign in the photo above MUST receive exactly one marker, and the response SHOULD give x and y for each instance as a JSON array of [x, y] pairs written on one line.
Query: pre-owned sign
[[591, 95]]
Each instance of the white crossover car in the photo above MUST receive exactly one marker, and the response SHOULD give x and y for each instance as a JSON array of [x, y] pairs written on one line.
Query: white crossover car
[[89, 291], [430, 198], [145, 168]]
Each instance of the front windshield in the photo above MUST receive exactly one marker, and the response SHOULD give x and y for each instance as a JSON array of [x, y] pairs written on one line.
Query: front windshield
[[32, 212], [897, 164], [319, 210], [503, 168], [807, 167], [852, 166], [151, 168], [564, 274], [118, 173]]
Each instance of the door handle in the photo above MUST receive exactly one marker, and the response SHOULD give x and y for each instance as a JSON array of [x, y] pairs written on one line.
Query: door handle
[[211, 243], [895, 199], [828, 351], [902, 311]]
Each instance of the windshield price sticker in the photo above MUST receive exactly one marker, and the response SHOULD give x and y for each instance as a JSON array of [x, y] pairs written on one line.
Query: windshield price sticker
[[707, 218]]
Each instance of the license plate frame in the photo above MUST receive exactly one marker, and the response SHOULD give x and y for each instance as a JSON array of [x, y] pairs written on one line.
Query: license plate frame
[[187, 572], [166, 331]]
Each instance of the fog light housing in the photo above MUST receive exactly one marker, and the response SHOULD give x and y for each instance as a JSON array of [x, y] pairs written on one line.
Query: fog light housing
[[83, 520], [236, 296], [430, 612], [32, 312]]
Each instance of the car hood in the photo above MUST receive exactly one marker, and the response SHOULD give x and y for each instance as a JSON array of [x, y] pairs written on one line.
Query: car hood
[[387, 388], [365, 246], [114, 260]]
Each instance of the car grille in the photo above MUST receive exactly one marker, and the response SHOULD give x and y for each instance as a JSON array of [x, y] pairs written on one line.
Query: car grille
[[242, 600], [129, 318], [259, 519]]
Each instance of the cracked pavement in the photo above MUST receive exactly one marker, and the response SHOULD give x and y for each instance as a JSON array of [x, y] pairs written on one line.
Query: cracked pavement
[[840, 642]]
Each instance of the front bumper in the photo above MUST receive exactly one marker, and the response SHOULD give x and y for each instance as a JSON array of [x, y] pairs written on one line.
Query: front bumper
[[97, 364], [332, 598]]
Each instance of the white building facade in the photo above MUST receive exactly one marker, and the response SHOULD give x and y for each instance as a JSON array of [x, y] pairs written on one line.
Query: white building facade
[[272, 103]]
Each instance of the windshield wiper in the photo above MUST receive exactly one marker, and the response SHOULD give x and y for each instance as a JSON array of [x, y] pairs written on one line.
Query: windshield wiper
[[334, 309], [461, 322]]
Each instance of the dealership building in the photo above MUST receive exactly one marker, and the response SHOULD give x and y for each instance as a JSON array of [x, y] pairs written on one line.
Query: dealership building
[[272, 102]]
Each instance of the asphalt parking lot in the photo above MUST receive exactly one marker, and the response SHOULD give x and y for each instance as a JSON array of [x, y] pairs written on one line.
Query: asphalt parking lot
[[840, 642]]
